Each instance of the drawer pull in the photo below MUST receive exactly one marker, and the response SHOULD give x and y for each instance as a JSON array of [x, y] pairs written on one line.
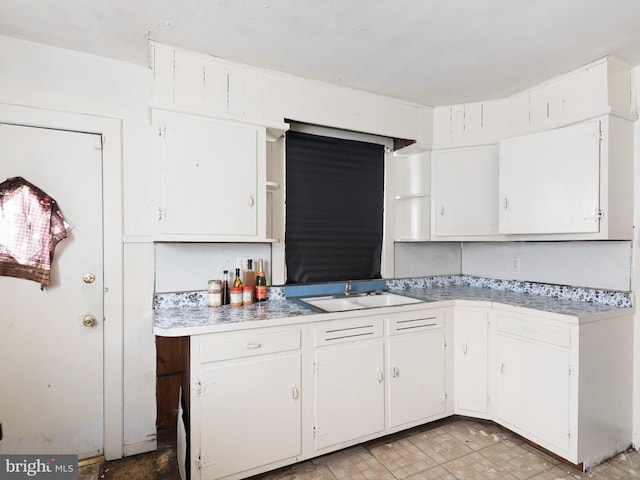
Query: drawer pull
[[294, 392], [253, 345], [396, 372]]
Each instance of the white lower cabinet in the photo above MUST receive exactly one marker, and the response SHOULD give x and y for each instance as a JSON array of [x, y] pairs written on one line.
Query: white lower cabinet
[[533, 391], [348, 393], [348, 381], [565, 382], [245, 402], [264, 398], [416, 369], [471, 361]]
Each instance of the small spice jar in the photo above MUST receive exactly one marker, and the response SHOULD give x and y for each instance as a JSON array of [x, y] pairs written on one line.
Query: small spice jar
[[247, 295], [214, 293], [236, 296]]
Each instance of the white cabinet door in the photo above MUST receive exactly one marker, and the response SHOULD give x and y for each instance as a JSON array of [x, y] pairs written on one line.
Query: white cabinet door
[[416, 376], [208, 181], [550, 181], [349, 392], [533, 391], [466, 191], [249, 415], [471, 359]]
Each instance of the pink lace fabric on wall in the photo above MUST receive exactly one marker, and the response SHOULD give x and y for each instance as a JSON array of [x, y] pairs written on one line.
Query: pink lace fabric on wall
[[31, 226]]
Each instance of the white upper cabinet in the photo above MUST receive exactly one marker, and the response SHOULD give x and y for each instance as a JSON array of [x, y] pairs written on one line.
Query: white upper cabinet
[[565, 161], [476, 123], [549, 181], [600, 88], [211, 179], [573, 182], [192, 82], [466, 191]]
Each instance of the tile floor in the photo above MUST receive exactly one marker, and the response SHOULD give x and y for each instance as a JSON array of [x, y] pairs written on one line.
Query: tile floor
[[457, 449], [452, 449]]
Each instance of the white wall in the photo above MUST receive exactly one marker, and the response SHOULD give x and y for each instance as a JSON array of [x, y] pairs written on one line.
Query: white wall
[[188, 266], [56, 79], [597, 264], [426, 259], [600, 265]]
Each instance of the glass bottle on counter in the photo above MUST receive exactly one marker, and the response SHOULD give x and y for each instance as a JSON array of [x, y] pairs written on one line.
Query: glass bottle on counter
[[237, 282], [261, 283], [236, 290], [225, 288], [214, 293], [249, 282]]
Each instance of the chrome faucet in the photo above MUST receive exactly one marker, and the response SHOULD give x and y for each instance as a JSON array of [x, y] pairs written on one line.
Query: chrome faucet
[[347, 289]]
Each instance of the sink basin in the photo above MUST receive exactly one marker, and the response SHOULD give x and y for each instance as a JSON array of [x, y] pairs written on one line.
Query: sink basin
[[385, 300], [332, 304], [343, 304]]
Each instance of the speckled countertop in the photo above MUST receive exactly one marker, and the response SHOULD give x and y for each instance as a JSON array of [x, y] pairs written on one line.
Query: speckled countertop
[[525, 300], [187, 314]]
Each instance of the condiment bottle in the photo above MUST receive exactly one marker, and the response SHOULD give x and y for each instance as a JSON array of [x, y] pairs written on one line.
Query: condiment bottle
[[261, 284], [250, 279], [247, 295], [214, 293], [236, 290], [226, 299], [236, 296]]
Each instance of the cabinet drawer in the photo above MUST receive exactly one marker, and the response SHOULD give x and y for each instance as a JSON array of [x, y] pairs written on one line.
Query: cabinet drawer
[[347, 331], [415, 322], [534, 330], [248, 345]]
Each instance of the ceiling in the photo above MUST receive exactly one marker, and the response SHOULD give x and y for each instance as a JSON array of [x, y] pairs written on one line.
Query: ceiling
[[433, 52]]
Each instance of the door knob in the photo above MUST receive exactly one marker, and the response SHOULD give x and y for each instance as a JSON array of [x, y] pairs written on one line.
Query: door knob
[[89, 321], [89, 278]]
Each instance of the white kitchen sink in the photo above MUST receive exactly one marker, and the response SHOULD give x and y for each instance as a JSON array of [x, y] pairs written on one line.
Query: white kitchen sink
[[358, 302], [385, 300]]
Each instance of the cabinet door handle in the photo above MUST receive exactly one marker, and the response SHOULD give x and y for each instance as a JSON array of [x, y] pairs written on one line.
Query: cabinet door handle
[[441, 210], [294, 392], [396, 372], [506, 203], [253, 346], [380, 376], [502, 368], [251, 200], [464, 348]]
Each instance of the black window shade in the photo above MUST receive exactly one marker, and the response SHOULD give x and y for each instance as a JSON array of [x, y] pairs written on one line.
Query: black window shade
[[334, 210]]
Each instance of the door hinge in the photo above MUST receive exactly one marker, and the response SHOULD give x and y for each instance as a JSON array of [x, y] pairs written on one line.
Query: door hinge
[[314, 431], [316, 367], [199, 389], [162, 130], [199, 462], [162, 213]]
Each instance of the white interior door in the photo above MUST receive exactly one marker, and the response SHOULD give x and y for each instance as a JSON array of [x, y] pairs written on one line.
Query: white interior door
[[52, 364]]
